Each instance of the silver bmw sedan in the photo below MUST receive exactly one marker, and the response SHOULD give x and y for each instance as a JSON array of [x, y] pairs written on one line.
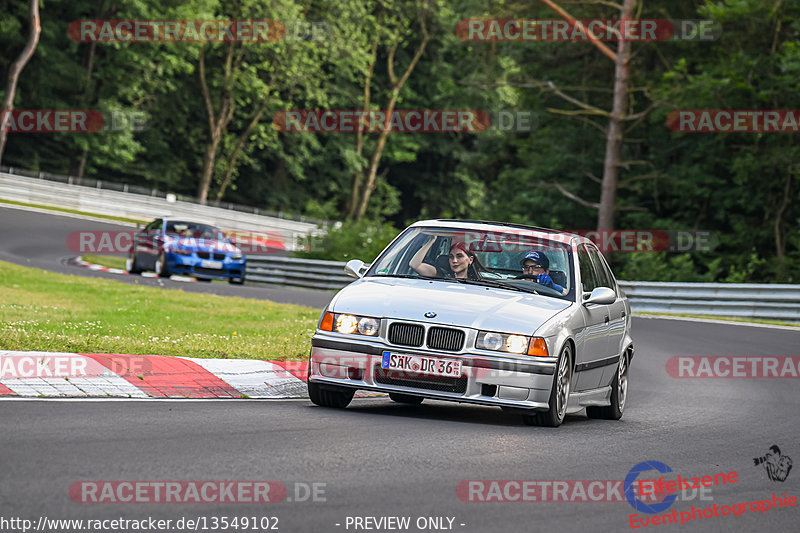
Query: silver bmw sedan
[[523, 318]]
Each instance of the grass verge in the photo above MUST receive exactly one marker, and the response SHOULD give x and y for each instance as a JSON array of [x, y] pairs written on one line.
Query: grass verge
[[725, 318], [54, 312], [111, 261], [73, 211]]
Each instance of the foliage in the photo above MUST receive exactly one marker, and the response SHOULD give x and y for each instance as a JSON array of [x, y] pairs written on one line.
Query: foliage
[[360, 239], [743, 187]]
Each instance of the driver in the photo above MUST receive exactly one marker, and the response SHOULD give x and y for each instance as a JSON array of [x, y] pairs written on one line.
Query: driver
[[536, 267]]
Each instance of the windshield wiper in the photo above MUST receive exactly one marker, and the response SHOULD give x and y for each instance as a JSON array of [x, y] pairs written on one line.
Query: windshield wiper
[[404, 276], [491, 283]]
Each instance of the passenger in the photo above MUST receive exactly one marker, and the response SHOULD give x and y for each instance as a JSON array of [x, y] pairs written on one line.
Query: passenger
[[536, 267], [462, 263]]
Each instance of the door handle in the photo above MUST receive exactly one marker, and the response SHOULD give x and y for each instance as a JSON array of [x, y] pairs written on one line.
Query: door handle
[[623, 315], [606, 319]]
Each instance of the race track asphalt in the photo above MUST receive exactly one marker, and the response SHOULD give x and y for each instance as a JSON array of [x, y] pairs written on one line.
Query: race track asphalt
[[37, 239], [380, 459]]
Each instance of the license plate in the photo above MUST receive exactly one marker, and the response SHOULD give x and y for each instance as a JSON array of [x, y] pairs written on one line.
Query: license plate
[[211, 264], [417, 364]]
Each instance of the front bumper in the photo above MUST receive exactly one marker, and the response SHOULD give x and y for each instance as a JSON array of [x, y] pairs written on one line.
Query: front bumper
[[497, 381], [189, 265]]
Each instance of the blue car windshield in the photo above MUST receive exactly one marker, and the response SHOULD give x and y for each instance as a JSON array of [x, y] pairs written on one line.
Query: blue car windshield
[[494, 256], [194, 230]]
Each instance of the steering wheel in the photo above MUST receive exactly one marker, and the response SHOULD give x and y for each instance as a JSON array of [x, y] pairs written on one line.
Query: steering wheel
[[533, 278]]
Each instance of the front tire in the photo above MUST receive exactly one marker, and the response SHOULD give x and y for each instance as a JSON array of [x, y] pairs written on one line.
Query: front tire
[[338, 397], [619, 394], [559, 395], [236, 281], [161, 266], [405, 398]]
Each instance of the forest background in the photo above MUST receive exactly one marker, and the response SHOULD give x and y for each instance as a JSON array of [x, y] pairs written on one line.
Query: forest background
[[208, 113]]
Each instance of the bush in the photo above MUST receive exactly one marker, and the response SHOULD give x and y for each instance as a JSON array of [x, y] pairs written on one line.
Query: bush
[[361, 239], [660, 266]]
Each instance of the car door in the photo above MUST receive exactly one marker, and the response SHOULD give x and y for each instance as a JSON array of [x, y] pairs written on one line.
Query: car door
[[592, 347], [616, 313], [146, 244]]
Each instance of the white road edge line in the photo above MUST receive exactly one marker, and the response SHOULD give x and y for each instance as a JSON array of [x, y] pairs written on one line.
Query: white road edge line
[[713, 321], [180, 400]]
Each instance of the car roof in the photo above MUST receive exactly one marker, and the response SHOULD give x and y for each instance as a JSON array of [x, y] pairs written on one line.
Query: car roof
[[486, 225], [183, 221]]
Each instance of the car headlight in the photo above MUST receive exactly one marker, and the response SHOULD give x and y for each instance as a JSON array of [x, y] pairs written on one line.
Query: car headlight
[[181, 251], [511, 343], [350, 324], [236, 257]]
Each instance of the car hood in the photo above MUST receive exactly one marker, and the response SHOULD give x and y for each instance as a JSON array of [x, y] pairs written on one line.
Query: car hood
[[204, 245], [456, 304]]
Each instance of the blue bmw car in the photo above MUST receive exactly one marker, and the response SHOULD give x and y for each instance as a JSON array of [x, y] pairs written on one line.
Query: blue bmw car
[[186, 248]]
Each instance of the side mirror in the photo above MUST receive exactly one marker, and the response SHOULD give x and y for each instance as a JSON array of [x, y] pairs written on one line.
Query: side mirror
[[355, 268], [600, 296]]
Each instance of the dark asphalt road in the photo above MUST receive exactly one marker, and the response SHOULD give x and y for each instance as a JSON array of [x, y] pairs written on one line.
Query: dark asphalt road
[[377, 458], [40, 240]]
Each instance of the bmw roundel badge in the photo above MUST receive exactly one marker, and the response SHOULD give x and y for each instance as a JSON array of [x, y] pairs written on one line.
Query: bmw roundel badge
[[430, 314]]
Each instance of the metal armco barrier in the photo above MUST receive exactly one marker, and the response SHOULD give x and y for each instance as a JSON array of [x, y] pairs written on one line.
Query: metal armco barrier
[[743, 300], [146, 207], [309, 273]]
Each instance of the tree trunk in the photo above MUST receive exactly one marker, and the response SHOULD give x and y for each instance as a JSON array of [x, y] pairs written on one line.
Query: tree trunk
[[397, 85], [217, 122], [239, 146], [608, 194], [355, 193], [16, 68]]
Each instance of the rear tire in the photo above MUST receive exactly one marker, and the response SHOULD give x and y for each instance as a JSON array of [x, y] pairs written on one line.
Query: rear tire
[[338, 397], [131, 266], [405, 398], [619, 394], [559, 395]]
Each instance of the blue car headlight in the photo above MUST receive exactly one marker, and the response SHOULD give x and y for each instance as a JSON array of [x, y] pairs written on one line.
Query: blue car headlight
[[236, 257], [181, 251]]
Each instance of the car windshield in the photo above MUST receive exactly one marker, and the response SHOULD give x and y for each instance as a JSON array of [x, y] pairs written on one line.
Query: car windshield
[[194, 230], [482, 257]]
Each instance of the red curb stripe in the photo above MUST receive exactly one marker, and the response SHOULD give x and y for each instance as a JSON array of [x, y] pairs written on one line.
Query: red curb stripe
[[298, 369], [5, 391], [166, 377]]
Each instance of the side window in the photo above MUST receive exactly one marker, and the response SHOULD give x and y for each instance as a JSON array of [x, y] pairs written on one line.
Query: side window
[[154, 225], [588, 276], [604, 276]]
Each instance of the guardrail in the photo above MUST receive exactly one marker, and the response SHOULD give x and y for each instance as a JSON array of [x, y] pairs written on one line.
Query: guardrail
[[742, 300], [309, 273], [147, 207]]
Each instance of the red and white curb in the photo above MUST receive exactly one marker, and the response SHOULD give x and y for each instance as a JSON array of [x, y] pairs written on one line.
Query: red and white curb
[[92, 266], [50, 374]]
